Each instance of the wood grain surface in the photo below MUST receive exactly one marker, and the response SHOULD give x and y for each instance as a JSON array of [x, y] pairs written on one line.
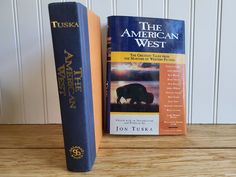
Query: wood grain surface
[[37, 150]]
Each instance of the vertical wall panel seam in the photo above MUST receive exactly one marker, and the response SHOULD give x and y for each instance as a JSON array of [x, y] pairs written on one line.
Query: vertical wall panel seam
[[91, 6], [166, 8], [19, 59], [217, 61], [191, 60], [139, 7], [137, 11], [88, 4], [114, 7], [42, 58]]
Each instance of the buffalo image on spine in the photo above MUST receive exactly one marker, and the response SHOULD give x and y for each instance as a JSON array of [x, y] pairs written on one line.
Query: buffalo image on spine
[[136, 92]]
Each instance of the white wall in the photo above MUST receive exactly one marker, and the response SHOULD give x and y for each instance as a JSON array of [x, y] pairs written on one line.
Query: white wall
[[28, 92]]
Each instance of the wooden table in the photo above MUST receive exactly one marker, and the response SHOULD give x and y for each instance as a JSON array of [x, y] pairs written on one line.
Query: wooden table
[[37, 150]]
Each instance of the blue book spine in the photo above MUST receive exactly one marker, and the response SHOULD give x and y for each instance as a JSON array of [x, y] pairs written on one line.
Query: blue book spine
[[69, 26]]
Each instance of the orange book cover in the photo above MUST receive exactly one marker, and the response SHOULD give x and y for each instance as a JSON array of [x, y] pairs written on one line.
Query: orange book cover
[[96, 72]]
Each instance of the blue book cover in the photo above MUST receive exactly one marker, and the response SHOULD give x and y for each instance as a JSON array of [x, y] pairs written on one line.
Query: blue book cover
[[69, 26], [145, 76]]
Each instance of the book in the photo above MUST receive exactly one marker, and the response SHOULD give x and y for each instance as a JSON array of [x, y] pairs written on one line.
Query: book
[[77, 52], [145, 76]]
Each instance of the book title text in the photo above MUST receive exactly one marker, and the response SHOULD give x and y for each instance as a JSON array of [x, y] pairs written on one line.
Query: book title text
[[148, 33], [69, 80]]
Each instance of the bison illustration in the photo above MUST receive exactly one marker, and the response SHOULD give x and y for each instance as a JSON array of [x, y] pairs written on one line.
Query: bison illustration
[[136, 92]]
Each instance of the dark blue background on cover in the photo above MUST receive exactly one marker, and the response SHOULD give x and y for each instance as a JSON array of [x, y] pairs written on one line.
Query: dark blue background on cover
[[118, 24]]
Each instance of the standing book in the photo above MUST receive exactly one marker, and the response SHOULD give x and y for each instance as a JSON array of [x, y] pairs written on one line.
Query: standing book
[[145, 76], [77, 51]]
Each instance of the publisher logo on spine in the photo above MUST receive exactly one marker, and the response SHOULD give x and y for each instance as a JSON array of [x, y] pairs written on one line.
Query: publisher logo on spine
[[76, 152]]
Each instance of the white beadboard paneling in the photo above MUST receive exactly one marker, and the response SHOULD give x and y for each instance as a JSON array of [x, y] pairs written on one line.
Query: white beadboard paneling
[[204, 61], [217, 61], [84, 2], [124, 7], [227, 84], [10, 77], [153, 8], [52, 99], [28, 89], [42, 50], [180, 10], [31, 61], [166, 8]]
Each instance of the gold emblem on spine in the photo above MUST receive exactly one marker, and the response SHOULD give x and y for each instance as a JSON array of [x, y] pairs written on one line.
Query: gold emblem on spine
[[76, 152]]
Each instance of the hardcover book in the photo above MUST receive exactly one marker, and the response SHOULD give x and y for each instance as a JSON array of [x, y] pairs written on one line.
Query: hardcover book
[[145, 76], [77, 51]]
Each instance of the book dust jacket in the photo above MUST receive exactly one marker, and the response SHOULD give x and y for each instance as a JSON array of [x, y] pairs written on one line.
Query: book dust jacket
[[145, 76]]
